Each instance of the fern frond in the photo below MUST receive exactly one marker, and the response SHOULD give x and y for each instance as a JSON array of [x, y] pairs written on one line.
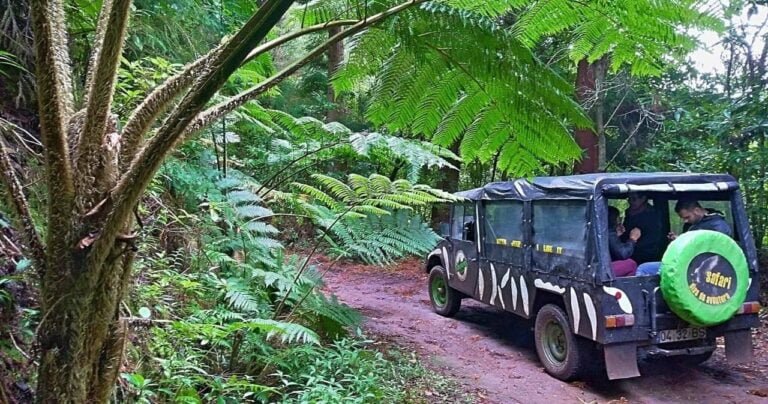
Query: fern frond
[[243, 196], [317, 194], [287, 332], [252, 211], [338, 189], [261, 228]]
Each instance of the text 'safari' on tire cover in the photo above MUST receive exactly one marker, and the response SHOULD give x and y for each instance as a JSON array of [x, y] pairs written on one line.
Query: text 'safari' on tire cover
[[704, 277]]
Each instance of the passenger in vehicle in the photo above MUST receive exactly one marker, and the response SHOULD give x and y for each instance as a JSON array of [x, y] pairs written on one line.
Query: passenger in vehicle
[[621, 263], [642, 215], [695, 217]]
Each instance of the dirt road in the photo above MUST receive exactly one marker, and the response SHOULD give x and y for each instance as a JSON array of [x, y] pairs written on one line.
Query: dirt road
[[491, 353]]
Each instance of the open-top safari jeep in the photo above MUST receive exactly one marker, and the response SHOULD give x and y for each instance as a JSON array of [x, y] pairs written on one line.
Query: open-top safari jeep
[[539, 249]]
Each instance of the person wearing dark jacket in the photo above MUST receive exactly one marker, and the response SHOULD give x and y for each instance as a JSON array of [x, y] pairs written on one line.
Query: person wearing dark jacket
[[644, 216], [695, 217], [621, 263]]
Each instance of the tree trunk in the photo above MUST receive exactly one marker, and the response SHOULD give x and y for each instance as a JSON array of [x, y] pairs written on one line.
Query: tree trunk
[[600, 68], [80, 337], [335, 59], [586, 138]]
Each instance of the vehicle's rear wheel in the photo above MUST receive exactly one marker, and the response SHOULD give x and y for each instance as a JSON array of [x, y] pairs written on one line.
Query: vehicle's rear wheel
[[563, 353], [445, 300]]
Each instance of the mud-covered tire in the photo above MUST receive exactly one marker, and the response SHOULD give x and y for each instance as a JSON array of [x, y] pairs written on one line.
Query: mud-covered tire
[[704, 277], [564, 354], [446, 301]]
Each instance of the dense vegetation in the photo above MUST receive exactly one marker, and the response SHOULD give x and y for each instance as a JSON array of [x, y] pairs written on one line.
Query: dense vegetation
[[333, 136]]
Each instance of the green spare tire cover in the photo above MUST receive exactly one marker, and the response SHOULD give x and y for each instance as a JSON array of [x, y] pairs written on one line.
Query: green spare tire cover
[[704, 277]]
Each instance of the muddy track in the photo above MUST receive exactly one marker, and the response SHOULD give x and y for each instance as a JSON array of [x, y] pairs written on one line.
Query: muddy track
[[491, 353]]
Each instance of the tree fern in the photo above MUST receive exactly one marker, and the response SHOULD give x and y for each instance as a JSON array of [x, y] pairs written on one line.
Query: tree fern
[[382, 239], [501, 97], [368, 217], [308, 139], [637, 33]]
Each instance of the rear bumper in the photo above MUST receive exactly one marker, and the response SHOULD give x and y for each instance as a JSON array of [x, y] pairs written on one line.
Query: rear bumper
[[648, 334], [695, 350]]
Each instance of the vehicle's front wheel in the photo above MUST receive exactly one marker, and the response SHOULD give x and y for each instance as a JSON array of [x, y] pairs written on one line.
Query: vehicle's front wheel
[[445, 300], [563, 353]]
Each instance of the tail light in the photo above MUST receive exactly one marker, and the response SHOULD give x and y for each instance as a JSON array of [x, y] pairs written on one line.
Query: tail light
[[749, 308], [619, 320]]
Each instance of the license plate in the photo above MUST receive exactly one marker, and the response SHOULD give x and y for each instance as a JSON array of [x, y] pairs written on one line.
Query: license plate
[[681, 334]]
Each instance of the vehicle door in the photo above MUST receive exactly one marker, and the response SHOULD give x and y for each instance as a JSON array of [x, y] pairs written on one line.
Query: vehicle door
[[503, 253], [463, 268], [560, 238]]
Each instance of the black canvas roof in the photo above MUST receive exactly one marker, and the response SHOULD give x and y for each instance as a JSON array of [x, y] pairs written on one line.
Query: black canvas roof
[[587, 185]]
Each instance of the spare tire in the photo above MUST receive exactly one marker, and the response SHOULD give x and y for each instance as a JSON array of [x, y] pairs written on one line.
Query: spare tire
[[704, 277]]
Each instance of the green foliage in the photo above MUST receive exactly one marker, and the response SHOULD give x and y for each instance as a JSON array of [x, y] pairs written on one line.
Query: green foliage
[[423, 86], [215, 338], [372, 218], [348, 371], [137, 78], [380, 239], [304, 142], [635, 33], [9, 63], [374, 194]]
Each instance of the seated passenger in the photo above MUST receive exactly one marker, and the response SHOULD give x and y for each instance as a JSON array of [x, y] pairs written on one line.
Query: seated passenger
[[621, 263], [697, 218], [644, 216], [694, 218]]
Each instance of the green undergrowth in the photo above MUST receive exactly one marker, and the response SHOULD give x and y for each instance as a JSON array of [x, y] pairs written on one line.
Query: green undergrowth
[[219, 312], [192, 342]]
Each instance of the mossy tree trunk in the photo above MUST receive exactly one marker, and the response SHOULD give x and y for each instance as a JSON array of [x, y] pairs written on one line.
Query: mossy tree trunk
[[84, 259]]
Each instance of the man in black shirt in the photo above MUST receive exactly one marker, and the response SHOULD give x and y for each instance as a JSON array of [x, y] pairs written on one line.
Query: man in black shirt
[[643, 215]]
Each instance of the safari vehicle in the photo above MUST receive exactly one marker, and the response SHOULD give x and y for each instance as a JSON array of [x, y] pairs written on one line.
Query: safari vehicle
[[539, 249]]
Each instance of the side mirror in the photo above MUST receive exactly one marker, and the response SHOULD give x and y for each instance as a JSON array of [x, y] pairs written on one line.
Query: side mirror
[[445, 230]]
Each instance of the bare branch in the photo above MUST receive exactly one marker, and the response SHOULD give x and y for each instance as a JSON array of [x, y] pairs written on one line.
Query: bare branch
[[101, 91], [290, 164], [626, 141], [126, 194], [32, 243], [621, 102], [160, 98], [223, 108], [54, 97], [296, 34]]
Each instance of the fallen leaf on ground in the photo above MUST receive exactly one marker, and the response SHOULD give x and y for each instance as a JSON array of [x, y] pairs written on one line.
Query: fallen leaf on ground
[[580, 385], [759, 392]]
